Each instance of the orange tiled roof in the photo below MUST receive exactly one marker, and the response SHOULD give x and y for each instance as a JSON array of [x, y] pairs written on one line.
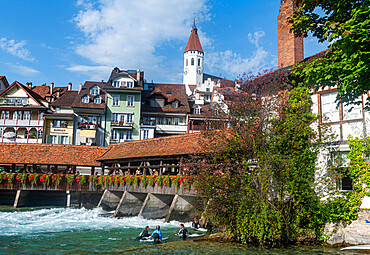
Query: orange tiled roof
[[193, 43], [164, 146], [50, 154]]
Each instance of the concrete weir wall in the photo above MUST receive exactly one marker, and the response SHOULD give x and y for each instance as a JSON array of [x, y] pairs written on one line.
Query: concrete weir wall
[[167, 203]]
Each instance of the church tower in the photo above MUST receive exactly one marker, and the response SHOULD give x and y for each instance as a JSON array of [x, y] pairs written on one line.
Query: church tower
[[193, 61]]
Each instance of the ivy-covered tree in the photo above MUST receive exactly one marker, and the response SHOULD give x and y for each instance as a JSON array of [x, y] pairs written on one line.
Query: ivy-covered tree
[[346, 25], [256, 179]]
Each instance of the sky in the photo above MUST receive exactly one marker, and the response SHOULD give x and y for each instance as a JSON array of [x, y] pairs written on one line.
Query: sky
[[64, 41]]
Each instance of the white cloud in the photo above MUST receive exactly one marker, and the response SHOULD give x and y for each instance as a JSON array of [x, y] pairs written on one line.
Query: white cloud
[[16, 48], [94, 72], [233, 64], [126, 33], [22, 70]]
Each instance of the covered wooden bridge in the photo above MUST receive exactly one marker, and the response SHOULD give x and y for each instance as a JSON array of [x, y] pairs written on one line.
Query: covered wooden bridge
[[162, 155]]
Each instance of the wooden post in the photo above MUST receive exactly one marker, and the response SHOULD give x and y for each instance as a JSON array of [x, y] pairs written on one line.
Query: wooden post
[[92, 172], [68, 198], [13, 168], [144, 204], [119, 204], [17, 198], [171, 208], [102, 168], [102, 198]]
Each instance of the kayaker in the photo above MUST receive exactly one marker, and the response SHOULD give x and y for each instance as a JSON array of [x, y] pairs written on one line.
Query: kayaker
[[195, 224], [156, 235], [183, 232], [145, 233]]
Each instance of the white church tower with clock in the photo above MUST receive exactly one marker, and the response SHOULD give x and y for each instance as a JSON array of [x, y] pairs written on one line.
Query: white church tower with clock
[[193, 61]]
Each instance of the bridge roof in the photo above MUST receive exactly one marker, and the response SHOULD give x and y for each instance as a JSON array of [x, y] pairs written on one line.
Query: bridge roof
[[50, 154], [156, 147]]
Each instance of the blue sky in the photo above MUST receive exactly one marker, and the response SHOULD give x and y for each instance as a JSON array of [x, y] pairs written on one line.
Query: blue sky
[[64, 41]]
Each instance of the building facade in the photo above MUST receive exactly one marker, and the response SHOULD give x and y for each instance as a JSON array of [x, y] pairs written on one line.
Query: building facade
[[123, 106], [22, 115]]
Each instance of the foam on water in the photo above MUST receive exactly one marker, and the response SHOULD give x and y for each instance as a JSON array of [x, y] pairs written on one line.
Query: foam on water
[[53, 220]]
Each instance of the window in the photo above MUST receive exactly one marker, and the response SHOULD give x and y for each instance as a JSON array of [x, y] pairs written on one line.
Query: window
[[122, 118], [64, 139], [85, 99], [345, 181], [94, 90], [115, 117], [114, 134], [160, 121], [353, 111], [115, 101], [207, 89], [146, 134], [175, 104], [5, 115], [192, 61], [25, 134], [130, 118], [129, 135], [121, 134], [40, 133], [17, 115], [123, 83], [187, 62], [198, 61], [53, 139], [176, 121], [57, 109], [60, 123], [97, 100], [130, 100], [157, 103], [116, 84], [169, 93], [196, 110], [330, 112], [168, 121], [130, 84], [180, 120]]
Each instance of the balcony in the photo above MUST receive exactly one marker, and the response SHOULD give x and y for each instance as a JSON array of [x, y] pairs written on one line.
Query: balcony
[[121, 124], [85, 125], [22, 123], [181, 129], [20, 140]]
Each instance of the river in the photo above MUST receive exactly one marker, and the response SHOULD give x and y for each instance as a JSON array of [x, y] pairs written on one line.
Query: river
[[92, 231]]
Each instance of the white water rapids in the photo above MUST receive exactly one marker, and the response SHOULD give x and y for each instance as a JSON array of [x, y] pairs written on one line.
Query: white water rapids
[[53, 220]]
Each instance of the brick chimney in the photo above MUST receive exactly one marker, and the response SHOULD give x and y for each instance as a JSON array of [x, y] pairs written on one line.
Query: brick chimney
[[70, 86], [138, 75], [79, 88], [290, 46]]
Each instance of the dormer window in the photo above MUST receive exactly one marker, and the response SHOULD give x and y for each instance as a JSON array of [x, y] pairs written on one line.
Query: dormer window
[[95, 90], [97, 100], [123, 83], [116, 84], [130, 84], [85, 99], [169, 93], [197, 110], [175, 104]]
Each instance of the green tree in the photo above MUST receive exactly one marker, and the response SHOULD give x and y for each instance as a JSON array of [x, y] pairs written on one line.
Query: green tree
[[346, 25]]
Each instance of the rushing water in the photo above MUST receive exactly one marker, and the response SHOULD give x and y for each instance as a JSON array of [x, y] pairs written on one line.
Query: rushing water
[[92, 231]]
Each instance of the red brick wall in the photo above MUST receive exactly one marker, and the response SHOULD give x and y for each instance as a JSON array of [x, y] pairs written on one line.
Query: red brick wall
[[290, 47]]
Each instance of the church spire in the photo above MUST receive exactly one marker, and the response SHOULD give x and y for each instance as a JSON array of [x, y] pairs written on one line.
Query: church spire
[[194, 43]]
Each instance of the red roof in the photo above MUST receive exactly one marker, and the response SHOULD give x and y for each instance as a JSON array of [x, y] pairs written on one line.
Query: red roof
[[193, 43], [164, 146], [50, 154]]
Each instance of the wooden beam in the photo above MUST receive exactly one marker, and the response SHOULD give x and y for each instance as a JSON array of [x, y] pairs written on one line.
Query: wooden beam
[[144, 204], [119, 204], [171, 208]]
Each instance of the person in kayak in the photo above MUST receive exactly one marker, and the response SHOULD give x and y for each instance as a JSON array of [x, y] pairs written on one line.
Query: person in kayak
[[195, 224], [156, 235], [183, 232], [145, 233]]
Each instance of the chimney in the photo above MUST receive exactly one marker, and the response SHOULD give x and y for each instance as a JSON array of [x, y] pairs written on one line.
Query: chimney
[[138, 74], [79, 87], [58, 94], [51, 87], [290, 47], [29, 85], [70, 86]]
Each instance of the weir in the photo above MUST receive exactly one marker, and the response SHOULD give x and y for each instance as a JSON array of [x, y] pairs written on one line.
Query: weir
[[150, 201]]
